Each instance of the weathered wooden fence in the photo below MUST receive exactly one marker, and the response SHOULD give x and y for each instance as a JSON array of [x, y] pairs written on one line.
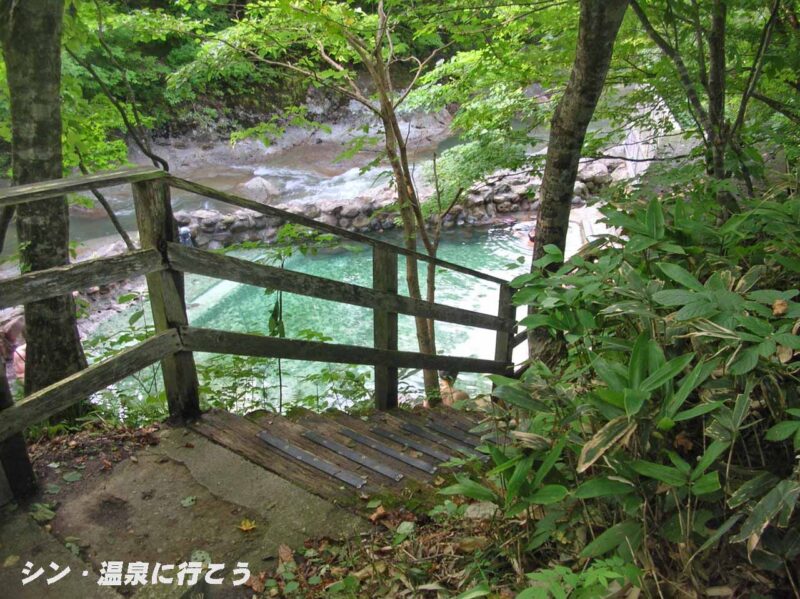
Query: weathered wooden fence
[[164, 261]]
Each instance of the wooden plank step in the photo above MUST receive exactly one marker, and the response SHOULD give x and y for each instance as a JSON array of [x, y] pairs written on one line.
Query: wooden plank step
[[353, 455], [418, 426], [409, 424], [295, 433], [241, 436], [301, 455], [331, 424]]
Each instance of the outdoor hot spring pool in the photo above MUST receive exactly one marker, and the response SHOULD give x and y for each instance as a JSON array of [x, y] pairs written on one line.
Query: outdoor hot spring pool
[[231, 306]]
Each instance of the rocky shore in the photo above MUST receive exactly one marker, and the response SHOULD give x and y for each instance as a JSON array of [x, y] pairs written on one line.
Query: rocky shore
[[504, 197]]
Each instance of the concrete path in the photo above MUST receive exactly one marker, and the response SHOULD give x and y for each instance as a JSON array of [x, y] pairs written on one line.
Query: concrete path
[[184, 499]]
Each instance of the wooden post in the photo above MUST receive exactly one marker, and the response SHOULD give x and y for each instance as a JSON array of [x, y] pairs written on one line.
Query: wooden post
[[156, 228], [384, 278], [13, 454], [504, 343]]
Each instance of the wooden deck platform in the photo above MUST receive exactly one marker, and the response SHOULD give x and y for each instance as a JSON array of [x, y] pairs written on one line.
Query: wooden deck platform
[[341, 457]]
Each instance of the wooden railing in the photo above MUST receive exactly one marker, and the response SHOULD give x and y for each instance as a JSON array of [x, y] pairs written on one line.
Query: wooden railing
[[164, 261]]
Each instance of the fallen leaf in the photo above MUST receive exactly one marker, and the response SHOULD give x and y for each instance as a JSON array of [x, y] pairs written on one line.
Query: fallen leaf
[[370, 570], [42, 512], [785, 354], [471, 544], [780, 307], [188, 501], [255, 584], [378, 514], [682, 441], [134, 459], [247, 525], [11, 560], [72, 477], [285, 554]]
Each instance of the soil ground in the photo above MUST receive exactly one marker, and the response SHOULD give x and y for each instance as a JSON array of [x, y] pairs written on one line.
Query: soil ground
[[165, 496]]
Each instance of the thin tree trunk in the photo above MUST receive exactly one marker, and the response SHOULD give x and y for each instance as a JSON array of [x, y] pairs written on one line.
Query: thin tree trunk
[[409, 204], [34, 81], [600, 21]]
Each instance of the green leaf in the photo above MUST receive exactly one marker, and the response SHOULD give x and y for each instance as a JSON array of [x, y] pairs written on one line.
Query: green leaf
[[676, 297], [699, 309], [718, 534], [42, 512], [604, 439], [782, 497], [72, 477], [549, 461], [783, 430], [666, 474], [666, 373], [712, 452], [519, 397], [695, 378], [622, 535], [752, 489], [637, 369], [655, 219], [482, 590], [746, 361], [548, 495], [602, 487], [681, 276], [469, 488], [699, 410], [519, 476], [708, 483], [188, 501], [633, 400]]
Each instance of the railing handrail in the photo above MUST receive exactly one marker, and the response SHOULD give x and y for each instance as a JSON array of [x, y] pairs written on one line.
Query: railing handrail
[[44, 190]]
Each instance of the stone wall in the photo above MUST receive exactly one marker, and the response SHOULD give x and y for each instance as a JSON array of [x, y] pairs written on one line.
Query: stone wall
[[505, 197]]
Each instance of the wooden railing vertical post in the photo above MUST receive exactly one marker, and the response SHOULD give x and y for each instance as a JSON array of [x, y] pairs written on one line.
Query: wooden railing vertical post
[[384, 278], [504, 343], [13, 453], [156, 228]]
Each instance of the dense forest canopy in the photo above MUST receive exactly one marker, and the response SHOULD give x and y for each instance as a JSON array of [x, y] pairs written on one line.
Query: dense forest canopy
[[650, 438]]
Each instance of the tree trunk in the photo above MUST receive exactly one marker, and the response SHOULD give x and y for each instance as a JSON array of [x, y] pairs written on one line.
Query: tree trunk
[[31, 37], [600, 21], [407, 198]]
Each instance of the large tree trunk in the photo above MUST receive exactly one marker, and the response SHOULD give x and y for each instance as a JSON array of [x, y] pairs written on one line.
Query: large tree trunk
[[31, 37], [600, 21]]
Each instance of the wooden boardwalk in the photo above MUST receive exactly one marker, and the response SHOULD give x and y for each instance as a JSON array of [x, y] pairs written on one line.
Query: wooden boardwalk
[[342, 457]]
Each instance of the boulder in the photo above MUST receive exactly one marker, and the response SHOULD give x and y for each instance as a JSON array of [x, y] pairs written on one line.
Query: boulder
[[580, 189], [183, 218], [361, 222], [257, 188], [594, 172]]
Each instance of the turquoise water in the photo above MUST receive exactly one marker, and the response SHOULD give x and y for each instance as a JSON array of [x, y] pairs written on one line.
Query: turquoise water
[[234, 307]]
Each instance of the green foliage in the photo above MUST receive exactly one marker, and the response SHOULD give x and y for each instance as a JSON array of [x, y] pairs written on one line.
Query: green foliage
[[674, 416]]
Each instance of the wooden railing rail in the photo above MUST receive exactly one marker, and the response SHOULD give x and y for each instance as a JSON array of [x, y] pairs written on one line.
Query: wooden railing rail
[[61, 395], [163, 262], [66, 279], [33, 192], [199, 262]]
